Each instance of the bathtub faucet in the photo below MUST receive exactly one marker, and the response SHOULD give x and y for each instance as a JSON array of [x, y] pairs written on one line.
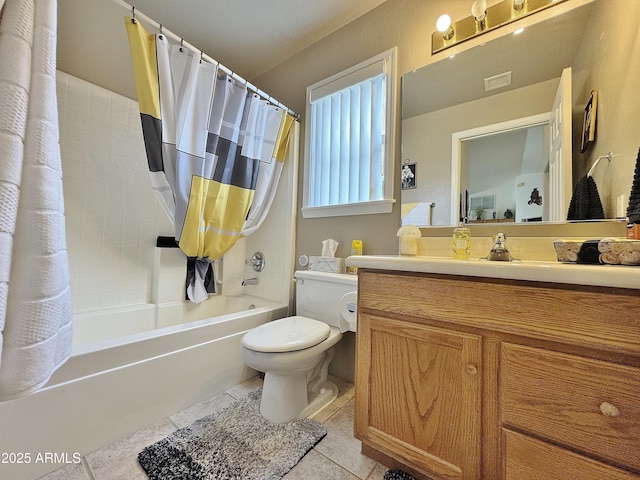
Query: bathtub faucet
[[249, 281]]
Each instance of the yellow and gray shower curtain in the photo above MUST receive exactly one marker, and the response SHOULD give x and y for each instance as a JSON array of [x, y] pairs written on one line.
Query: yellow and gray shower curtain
[[214, 149]]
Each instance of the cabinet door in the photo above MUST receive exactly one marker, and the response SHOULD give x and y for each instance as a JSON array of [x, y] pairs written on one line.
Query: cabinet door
[[418, 395]]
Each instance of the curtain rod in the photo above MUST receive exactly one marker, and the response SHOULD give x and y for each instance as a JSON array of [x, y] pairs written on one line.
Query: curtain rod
[[137, 15]]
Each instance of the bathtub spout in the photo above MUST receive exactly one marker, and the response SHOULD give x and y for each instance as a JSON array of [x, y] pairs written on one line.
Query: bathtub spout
[[249, 281]]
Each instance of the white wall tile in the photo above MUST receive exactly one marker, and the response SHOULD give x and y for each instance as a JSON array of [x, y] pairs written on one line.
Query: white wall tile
[[113, 218], [110, 234]]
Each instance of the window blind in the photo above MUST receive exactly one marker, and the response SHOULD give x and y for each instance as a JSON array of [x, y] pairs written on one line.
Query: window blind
[[347, 163]]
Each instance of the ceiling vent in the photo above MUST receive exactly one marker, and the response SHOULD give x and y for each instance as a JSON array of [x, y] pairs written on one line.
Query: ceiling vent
[[497, 81]]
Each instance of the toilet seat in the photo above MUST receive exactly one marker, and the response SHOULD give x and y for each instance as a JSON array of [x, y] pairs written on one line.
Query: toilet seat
[[286, 335]]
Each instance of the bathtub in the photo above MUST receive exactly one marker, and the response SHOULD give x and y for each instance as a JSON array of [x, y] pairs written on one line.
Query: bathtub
[[122, 337], [115, 386]]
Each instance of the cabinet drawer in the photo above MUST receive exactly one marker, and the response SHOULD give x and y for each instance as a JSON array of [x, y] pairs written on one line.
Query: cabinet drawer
[[588, 317], [586, 404], [531, 459]]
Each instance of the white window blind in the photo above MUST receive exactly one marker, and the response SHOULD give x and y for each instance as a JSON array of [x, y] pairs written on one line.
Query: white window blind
[[348, 156]]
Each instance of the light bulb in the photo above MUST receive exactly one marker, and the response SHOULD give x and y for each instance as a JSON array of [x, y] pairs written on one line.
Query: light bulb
[[443, 24], [479, 10]]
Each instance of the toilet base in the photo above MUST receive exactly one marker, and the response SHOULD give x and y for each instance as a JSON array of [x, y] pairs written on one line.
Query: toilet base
[[328, 393], [285, 398]]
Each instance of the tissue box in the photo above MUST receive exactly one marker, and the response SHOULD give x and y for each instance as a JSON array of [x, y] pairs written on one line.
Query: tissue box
[[326, 264], [608, 251]]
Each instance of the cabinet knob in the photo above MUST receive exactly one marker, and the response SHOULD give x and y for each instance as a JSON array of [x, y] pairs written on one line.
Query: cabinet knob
[[471, 370], [609, 410]]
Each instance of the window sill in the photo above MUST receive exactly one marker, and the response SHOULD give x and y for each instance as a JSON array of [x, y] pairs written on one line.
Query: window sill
[[363, 208]]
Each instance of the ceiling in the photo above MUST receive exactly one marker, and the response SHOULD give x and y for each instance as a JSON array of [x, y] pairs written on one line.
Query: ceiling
[[247, 36], [538, 54]]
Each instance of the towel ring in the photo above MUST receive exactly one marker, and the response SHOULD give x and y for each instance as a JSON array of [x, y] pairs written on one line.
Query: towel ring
[[608, 156]]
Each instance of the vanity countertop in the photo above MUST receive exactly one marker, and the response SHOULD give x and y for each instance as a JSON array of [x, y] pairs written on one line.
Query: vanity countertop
[[579, 274]]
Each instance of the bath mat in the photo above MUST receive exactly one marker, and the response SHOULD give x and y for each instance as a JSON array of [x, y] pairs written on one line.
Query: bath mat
[[397, 475], [236, 443]]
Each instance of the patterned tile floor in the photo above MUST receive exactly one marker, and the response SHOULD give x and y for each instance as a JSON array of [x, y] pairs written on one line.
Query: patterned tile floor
[[336, 457]]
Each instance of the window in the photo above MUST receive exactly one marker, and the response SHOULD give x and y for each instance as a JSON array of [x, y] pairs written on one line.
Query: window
[[481, 205], [486, 202], [349, 140]]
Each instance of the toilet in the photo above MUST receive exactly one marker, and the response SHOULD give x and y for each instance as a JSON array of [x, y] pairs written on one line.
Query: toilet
[[294, 352]]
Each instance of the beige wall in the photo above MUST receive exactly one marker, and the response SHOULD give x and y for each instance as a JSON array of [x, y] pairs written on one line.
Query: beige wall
[[605, 64], [406, 24]]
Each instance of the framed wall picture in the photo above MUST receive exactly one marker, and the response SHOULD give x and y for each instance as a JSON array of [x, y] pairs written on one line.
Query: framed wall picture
[[408, 175], [589, 123]]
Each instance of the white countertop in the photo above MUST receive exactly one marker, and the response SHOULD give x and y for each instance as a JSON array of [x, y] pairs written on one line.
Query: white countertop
[[579, 274]]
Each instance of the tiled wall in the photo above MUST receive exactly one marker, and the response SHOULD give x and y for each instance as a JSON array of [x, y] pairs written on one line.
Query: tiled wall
[[111, 214], [113, 218]]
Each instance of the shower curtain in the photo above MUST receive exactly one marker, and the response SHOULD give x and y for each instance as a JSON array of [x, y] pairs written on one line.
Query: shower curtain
[[35, 300], [214, 150]]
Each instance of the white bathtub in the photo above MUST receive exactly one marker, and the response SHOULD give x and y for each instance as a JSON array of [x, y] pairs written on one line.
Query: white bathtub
[[111, 388], [121, 337]]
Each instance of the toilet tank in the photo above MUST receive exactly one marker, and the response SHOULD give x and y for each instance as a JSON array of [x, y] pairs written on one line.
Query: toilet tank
[[318, 295]]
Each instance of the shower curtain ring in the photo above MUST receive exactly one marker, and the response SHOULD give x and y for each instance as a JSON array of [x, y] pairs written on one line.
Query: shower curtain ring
[[181, 42], [133, 14], [161, 32]]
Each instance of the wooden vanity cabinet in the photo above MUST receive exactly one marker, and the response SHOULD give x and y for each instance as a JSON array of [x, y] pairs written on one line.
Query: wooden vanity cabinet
[[421, 394], [477, 378]]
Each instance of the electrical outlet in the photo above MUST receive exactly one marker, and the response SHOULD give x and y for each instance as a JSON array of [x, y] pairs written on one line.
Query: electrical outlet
[[621, 206]]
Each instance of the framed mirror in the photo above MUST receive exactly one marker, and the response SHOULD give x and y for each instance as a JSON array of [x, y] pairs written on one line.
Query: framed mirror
[[490, 160], [445, 100]]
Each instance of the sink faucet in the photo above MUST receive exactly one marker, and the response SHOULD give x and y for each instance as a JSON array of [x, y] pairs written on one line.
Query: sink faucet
[[250, 281], [499, 252]]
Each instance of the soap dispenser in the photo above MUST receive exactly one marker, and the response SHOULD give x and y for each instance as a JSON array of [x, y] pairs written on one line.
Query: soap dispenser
[[461, 242], [499, 252]]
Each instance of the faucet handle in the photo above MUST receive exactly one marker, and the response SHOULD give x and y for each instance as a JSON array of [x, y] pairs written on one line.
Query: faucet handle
[[257, 261]]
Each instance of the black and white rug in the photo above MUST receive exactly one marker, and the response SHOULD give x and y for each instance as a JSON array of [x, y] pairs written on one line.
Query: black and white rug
[[397, 475], [236, 443]]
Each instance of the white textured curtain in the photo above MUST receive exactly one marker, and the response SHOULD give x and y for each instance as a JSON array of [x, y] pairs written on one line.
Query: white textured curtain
[[35, 299], [271, 152]]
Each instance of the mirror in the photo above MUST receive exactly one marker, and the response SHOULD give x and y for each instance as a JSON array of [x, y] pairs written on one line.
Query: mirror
[[502, 172], [445, 100]]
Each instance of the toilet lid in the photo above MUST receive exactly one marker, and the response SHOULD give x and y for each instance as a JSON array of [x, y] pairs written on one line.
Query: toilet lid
[[286, 335]]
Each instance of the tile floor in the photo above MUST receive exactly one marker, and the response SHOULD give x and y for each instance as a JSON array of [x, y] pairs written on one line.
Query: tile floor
[[336, 457]]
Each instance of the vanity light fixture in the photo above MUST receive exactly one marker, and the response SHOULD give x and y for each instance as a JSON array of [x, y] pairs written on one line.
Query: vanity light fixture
[[483, 19]]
